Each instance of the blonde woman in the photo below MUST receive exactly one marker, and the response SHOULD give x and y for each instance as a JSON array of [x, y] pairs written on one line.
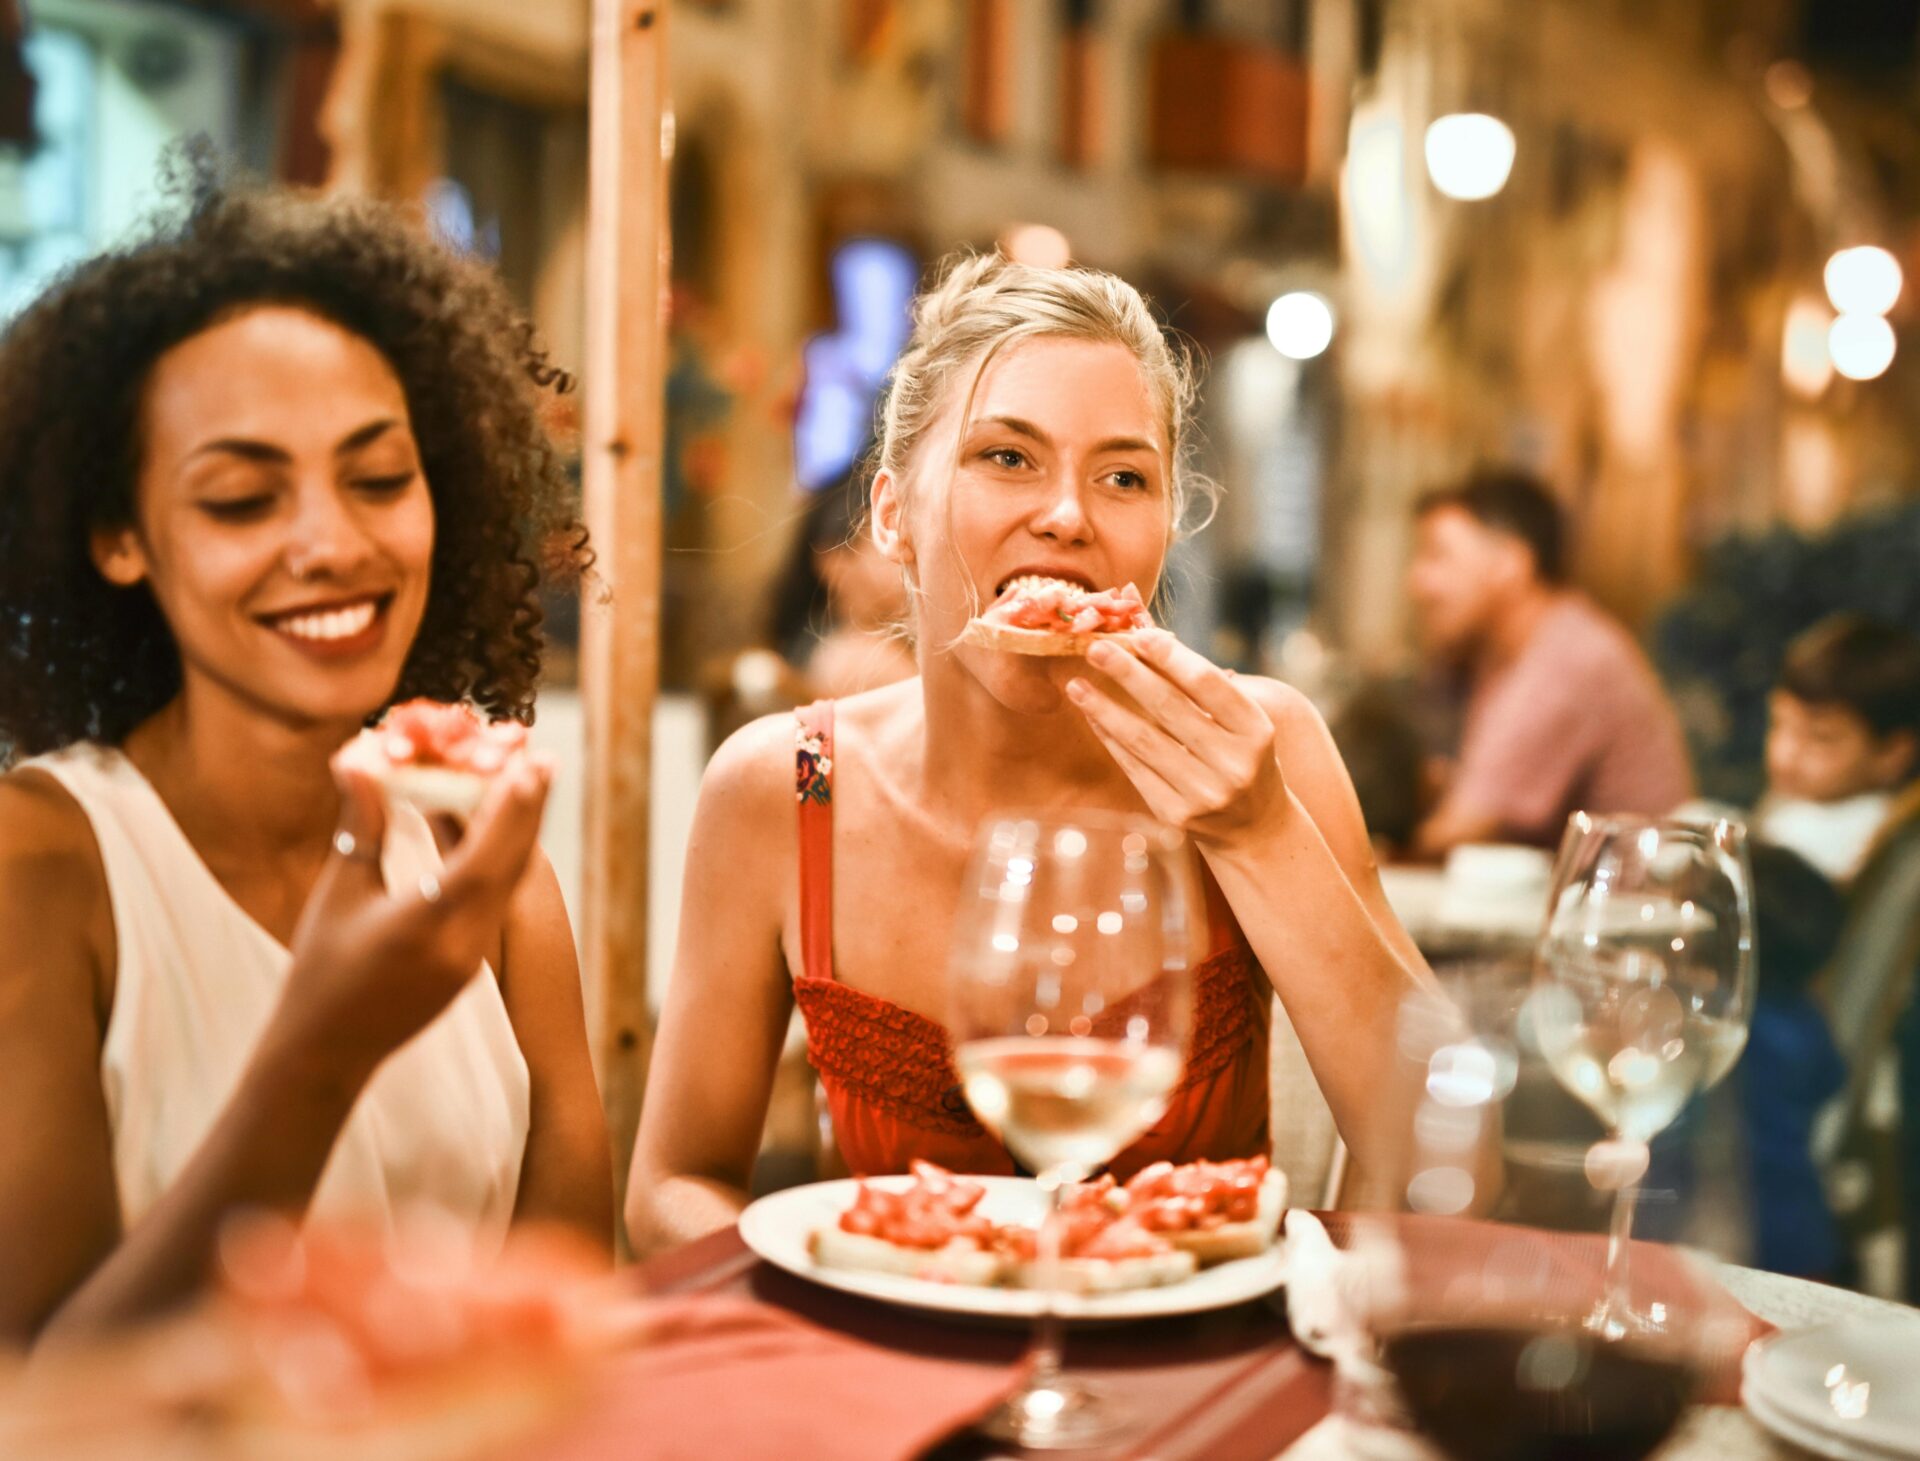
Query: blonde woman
[[1036, 424]]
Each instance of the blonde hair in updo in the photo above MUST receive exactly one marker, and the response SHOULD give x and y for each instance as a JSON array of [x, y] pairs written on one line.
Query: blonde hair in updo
[[983, 303]]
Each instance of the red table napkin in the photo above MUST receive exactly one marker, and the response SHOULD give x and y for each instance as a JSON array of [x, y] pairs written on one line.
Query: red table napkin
[[1468, 1267], [732, 1378]]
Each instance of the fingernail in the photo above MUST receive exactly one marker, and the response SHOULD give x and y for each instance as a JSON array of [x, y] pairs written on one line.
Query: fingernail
[[1077, 689]]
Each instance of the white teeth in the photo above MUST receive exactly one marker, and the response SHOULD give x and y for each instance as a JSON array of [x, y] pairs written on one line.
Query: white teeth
[[1040, 580], [330, 624]]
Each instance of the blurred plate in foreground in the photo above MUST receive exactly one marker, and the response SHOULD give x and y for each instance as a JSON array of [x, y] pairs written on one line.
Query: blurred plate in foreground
[[1845, 1390]]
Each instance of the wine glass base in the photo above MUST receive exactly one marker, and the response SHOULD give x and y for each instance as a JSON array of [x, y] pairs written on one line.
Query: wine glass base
[[1617, 1321], [1056, 1414]]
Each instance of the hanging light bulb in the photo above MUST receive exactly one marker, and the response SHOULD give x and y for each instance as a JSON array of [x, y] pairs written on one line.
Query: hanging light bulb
[[1861, 345], [1300, 324], [1469, 155], [1863, 281]]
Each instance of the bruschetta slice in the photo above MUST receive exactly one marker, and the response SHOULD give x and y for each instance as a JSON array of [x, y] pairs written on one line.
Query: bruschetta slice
[[1055, 617], [1103, 1250], [437, 756], [1215, 1211], [928, 1230]]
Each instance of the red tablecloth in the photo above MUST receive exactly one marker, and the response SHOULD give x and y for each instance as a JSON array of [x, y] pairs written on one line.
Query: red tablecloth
[[1225, 1385], [1222, 1386]]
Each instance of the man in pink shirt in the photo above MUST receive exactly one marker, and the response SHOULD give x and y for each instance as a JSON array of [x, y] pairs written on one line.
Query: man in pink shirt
[[1563, 712]]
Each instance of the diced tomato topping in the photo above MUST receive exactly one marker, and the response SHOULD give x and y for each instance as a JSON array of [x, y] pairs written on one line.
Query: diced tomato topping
[[1098, 1219], [935, 1211], [433, 733], [1064, 606], [1124, 1237], [1198, 1196], [1093, 1224]]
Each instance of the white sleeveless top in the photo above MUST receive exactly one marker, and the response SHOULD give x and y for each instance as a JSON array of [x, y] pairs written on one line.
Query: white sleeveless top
[[443, 1120]]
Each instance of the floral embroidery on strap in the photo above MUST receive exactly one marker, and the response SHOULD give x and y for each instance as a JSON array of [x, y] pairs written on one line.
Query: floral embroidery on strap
[[812, 766]]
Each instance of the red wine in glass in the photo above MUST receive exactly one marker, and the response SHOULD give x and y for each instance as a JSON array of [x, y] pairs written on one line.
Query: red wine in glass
[[1498, 1393]]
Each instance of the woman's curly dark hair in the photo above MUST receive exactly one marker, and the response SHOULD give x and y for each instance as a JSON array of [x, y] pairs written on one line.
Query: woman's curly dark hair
[[80, 658]]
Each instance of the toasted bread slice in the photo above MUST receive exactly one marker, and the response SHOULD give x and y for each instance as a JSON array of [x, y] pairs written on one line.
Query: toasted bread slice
[[835, 1247], [1108, 1275], [435, 788], [1238, 1240], [1047, 643]]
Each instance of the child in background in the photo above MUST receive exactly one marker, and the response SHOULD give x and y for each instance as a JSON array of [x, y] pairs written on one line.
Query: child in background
[[1790, 1069], [1843, 739]]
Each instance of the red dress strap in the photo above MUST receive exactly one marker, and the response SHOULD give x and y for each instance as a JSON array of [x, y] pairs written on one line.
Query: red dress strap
[[813, 787]]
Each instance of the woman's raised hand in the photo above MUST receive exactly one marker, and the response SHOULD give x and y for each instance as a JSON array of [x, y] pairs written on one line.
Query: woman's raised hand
[[371, 968], [1198, 748]]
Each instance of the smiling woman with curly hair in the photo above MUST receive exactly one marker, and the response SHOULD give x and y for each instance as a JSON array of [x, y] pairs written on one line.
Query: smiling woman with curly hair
[[83, 658], [266, 469]]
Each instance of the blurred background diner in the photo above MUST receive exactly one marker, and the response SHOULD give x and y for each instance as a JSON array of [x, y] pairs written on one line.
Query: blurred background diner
[[1559, 384]]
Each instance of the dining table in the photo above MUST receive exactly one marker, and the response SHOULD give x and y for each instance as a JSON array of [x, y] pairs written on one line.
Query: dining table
[[709, 1351], [1227, 1385]]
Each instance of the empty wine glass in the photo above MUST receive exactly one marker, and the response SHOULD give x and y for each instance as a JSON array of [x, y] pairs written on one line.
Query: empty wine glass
[[1071, 997], [1643, 994]]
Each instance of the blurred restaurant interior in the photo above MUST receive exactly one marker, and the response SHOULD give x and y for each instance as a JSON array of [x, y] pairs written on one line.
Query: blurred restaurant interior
[[1647, 253]]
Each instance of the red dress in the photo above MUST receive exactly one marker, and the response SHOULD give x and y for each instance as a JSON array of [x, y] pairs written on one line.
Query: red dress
[[888, 1072]]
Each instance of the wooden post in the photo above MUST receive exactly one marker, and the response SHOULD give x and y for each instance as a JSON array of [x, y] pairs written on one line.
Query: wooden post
[[627, 278], [405, 147]]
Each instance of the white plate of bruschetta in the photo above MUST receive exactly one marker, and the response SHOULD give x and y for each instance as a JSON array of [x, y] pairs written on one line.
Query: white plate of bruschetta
[[1173, 1240]]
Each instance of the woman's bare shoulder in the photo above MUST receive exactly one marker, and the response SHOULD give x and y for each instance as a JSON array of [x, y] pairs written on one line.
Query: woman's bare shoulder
[[53, 885], [752, 771], [40, 822], [1291, 712], [1314, 770], [740, 849], [1300, 738], [752, 775]]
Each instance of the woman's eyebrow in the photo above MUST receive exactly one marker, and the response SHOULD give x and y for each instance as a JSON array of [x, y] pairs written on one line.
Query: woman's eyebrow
[[265, 451], [1028, 429], [1016, 425], [238, 446], [365, 435]]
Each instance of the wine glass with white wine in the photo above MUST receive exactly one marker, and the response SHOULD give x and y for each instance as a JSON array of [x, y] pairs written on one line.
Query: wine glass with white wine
[[1071, 998], [1643, 993]]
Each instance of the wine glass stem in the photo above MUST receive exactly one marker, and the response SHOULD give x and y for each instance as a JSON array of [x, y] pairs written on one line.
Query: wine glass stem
[[1044, 1356], [1612, 1315]]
